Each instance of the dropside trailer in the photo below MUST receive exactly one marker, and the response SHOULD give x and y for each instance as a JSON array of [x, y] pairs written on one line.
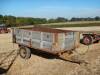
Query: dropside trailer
[[58, 42]]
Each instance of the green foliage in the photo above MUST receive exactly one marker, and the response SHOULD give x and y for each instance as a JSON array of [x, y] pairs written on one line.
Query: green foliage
[[51, 21], [1, 19], [84, 19], [39, 20], [11, 21], [57, 20], [97, 18], [61, 19]]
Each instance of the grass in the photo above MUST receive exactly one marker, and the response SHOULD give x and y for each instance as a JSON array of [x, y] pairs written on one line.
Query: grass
[[72, 25], [65, 24]]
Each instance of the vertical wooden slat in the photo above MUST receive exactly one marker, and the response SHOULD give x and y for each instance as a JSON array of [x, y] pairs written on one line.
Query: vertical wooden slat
[[55, 44], [77, 39]]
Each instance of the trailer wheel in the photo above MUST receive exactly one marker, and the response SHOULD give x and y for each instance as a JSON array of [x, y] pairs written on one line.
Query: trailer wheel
[[25, 52], [87, 40]]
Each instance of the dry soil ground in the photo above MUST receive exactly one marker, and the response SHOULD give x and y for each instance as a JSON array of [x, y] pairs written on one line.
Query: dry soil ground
[[38, 65]]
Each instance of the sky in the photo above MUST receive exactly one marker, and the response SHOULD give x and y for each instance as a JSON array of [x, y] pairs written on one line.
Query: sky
[[50, 8]]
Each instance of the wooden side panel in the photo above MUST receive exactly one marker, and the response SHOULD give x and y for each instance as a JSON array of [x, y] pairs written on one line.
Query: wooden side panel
[[67, 41], [36, 39], [51, 42], [18, 35], [26, 35], [47, 40]]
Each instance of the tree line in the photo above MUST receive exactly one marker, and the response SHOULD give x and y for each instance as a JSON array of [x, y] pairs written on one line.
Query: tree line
[[9, 20]]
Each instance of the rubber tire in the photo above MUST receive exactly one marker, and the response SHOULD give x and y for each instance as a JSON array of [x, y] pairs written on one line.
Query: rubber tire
[[89, 38], [25, 52]]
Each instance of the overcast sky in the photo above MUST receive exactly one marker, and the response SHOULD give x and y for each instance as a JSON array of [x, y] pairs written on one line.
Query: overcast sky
[[50, 8]]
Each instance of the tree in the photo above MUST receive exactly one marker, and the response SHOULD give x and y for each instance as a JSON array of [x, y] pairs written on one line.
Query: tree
[[61, 19], [39, 20], [51, 21], [97, 18], [1, 19], [73, 19], [9, 20]]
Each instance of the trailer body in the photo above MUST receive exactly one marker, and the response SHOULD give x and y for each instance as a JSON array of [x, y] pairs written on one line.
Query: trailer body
[[61, 43], [45, 39]]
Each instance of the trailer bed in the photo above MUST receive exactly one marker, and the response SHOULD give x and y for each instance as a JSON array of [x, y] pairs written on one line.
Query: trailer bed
[[46, 39]]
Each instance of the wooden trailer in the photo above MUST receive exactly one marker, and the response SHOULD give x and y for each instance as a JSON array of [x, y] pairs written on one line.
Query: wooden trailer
[[55, 41]]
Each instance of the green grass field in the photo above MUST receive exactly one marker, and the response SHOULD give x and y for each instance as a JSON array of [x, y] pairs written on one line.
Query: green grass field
[[73, 25], [66, 24]]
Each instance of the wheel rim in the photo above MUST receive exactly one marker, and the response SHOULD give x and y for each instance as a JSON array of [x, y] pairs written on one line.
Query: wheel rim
[[86, 40]]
